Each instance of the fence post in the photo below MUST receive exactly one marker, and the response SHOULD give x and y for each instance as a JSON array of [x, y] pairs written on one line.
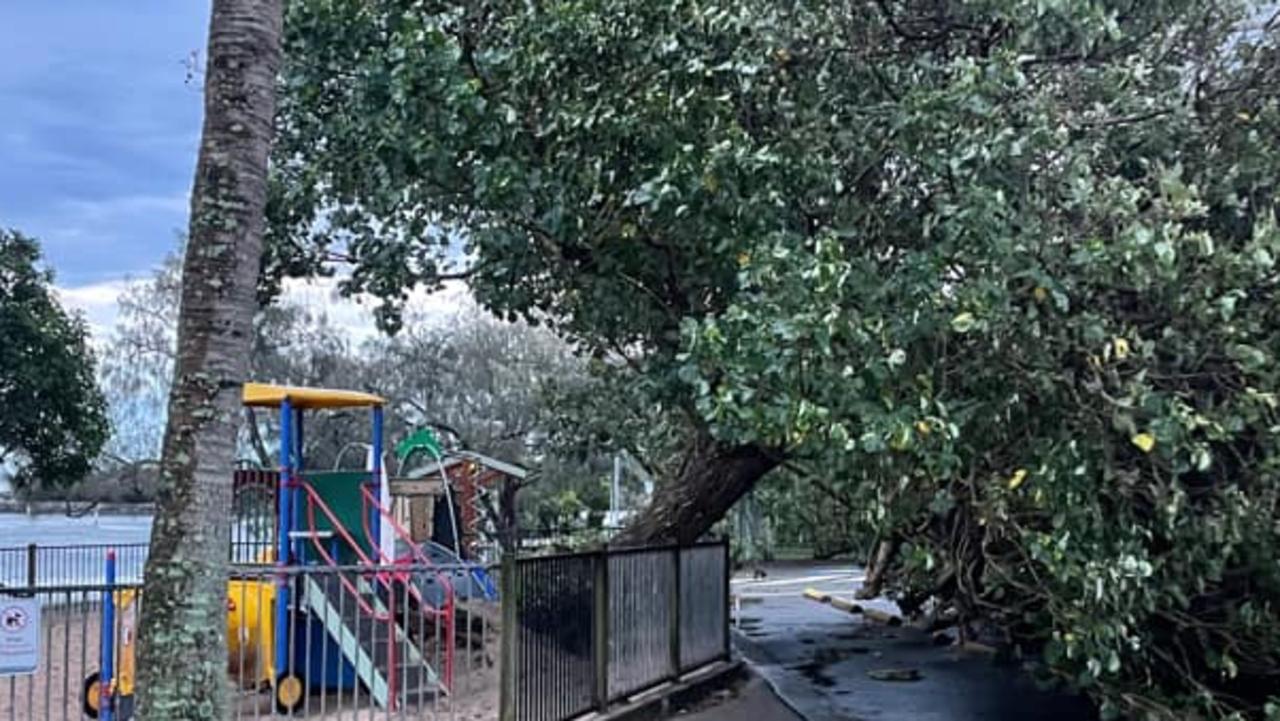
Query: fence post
[[106, 672], [31, 565], [675, 616], [728, 595], [600, 617], [510, 648]]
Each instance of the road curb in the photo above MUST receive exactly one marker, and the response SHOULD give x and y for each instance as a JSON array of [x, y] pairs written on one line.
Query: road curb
[[689, 689], [777, 692]]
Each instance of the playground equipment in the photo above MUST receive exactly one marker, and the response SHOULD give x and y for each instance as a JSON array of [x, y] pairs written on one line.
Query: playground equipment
[[456, 516], [314, 624], [115, 678]]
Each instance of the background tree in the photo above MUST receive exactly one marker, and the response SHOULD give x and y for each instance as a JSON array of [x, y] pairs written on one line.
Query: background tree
[[185, 578], [138, 358], [52, 415], [1006, 271], [492, 384]]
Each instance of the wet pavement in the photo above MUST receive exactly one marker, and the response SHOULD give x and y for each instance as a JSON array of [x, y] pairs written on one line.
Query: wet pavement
[[818, 658], [752, 700]]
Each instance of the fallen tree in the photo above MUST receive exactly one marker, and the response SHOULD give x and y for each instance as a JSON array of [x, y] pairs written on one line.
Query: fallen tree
[[1006, 271]]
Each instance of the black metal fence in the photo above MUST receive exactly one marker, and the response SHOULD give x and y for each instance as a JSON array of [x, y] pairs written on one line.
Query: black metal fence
[[365, 644], [253, 541], [70, 641], [591, 629], [35, 565]]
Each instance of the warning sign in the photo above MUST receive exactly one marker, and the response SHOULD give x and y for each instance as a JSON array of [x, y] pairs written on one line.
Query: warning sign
[[19, 636]]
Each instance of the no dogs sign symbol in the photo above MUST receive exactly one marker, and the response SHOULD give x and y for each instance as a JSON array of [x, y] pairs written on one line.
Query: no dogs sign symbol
[[19, 636]]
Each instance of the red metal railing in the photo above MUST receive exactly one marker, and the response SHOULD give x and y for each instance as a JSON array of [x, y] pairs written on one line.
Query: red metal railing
[[415, 556], [385, 578]]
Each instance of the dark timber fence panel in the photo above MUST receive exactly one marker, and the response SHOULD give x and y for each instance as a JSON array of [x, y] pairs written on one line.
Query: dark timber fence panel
[[704, 605], [640, 582], [556, 636], [584, 630]]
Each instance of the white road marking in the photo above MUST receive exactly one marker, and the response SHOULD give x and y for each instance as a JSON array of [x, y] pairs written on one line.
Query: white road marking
[[810, 580]]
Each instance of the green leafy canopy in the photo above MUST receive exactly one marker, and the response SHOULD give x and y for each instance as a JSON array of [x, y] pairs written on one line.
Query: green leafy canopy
[[1008, 268], [52, 415]]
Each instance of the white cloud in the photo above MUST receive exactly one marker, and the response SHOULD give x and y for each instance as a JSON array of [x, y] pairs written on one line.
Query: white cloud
[[97, 302], [355, 316], [111, 208]]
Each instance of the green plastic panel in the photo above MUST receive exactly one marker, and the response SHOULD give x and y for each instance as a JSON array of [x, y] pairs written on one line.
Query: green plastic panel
[[340, 490]]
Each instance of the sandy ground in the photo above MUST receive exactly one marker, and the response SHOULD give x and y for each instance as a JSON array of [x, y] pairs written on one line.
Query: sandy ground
[[70, 643]]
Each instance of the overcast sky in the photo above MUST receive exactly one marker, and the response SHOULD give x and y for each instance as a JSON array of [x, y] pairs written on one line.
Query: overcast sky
[[99, 127]]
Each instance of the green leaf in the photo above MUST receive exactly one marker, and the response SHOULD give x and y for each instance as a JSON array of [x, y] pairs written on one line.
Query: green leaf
[[963, 322]]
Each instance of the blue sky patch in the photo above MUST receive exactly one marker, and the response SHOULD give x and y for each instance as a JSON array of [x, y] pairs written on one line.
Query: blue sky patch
[[99, 128]]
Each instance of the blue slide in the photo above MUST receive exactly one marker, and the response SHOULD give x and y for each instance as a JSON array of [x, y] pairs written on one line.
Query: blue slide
[[470, 580]]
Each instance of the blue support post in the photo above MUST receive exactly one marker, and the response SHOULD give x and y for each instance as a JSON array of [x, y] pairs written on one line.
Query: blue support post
[[299, 547], [377, 479], [106, 677], [285, 498]]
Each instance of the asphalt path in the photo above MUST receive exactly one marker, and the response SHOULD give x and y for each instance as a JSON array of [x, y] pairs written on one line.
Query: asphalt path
[[818, 659]]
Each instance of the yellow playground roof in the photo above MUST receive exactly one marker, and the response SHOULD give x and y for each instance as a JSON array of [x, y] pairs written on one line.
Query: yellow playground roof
[[265, 394]]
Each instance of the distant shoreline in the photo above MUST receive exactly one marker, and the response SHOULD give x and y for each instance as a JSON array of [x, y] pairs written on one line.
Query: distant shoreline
[[77, 508]]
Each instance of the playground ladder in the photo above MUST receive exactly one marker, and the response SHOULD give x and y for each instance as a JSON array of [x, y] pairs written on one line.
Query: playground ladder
[[363, 627], [364, 642]]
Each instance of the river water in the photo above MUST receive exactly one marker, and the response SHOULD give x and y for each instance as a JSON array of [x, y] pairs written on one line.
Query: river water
[[17, 529], [55, 563]]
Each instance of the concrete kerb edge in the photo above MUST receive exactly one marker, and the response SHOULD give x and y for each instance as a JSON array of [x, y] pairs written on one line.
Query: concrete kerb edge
[[690, 688], [777, 691]]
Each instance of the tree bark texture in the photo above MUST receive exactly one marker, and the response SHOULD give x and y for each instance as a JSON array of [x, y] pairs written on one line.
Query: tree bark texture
[[182, 672], [712, 477]]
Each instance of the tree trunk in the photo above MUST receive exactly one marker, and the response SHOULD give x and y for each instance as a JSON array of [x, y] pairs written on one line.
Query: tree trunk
[[878, 568], [182, 664], [255, 439], [711, 479]]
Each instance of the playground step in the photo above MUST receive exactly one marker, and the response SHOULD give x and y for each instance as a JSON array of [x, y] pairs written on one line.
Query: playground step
[[367, 641], [415, 680]]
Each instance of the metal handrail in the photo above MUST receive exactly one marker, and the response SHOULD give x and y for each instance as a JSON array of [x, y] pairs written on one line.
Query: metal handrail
[[383, 577], [402, 576], [404, 535], [313, 499], [446, 612]]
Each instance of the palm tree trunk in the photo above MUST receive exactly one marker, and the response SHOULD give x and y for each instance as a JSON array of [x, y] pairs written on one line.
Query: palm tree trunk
[[182, 645]]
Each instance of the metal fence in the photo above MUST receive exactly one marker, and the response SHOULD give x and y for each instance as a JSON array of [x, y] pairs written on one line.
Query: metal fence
[[253, 506], [70, 639], [44, 566], [363, 642], [591, 629]]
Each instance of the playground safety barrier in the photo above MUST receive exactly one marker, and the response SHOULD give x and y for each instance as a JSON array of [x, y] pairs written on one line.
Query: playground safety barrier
[[68, 565], [62, 565], [88, 636], [584, 631]]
